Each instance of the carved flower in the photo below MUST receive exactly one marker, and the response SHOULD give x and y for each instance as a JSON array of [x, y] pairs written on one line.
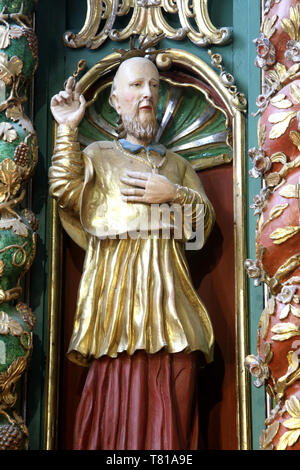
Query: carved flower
[[266, 53], [286, 294], [258, 369], [262, 102], [292, 51], [253, 270], [31, 218], [7, 132], [27, 314], [260, 200], [261, 163]]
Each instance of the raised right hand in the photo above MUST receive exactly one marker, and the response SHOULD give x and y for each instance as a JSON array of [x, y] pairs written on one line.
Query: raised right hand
[[68, 107]]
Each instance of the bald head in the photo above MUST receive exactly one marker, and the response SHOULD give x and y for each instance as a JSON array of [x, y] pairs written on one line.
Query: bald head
[[134, 96], [131, 68], [134, 69]]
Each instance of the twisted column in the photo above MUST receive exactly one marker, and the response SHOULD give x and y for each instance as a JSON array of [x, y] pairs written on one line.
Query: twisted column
[[18, 157], [277, 161]]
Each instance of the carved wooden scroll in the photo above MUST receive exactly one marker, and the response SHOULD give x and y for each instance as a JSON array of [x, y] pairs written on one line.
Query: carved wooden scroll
[[147, 19]]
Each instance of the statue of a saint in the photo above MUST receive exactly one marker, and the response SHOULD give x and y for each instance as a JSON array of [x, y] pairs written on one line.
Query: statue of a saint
[[139, 325]]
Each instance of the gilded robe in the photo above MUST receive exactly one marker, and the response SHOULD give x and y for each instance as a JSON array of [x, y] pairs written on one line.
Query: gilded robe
[[135, 293]]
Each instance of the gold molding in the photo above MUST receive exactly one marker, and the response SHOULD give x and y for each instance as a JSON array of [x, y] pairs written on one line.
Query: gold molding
[[235, 104], [146, 21], [53, 348]]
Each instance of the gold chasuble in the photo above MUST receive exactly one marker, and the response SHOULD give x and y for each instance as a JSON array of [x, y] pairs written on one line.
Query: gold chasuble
[[135, 292]]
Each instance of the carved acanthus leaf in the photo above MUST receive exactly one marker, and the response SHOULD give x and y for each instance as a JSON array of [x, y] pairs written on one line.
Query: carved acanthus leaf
[[289, 191], [281, 122], [7, 33], [289, 438], [292, 25], [7, 132], [284, 331], [295, 138], [280, 101], [282, 234], [268, 435], [295, 92]]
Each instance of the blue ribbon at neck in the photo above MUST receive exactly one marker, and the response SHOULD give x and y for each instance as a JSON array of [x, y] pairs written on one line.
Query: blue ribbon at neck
[[135, 148]]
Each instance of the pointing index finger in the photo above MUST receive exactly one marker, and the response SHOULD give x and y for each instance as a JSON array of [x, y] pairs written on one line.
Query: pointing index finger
[[70, 84]]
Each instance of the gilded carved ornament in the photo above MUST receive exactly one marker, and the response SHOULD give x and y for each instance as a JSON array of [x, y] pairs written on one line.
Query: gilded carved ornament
[[276, 161], [147, 20], [18, 157]]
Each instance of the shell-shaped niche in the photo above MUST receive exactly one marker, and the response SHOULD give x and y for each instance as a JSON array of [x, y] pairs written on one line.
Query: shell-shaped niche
[[182, 97]]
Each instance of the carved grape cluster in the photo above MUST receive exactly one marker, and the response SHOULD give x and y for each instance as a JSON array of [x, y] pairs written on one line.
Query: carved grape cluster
[[11, 437]]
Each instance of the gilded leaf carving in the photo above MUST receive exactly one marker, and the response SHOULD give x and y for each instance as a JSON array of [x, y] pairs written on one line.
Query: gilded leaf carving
[[10, 178], [293, 407], [277, 210], [265, 317], [261, 134], [268, 26], [293, 423], [289, 438], [291, 25], [289, 191], [16, 114], [295, 92], [293, 366], [281, 122], [284, 331], [9, 69], [6, 34], [284, 312], [268, 435], [7, 132], [281, 102], [278, 157], [295, 138], [295, 311], [281, 235], [264, 323], [16, 224], [8, 378]]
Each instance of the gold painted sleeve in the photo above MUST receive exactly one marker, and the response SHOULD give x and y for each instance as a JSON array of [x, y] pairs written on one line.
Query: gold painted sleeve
[[192, 193], [66, 175]]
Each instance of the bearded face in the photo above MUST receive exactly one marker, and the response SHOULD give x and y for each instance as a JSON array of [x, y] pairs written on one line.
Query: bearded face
[[142, 127], [135, 96]]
